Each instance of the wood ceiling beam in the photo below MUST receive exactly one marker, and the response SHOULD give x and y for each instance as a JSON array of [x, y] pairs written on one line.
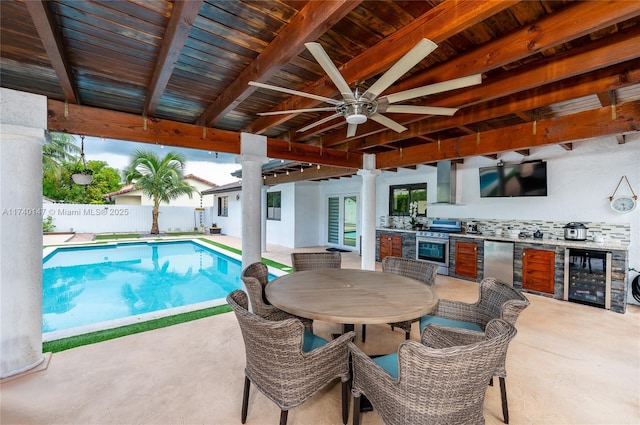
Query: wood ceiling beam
[[607, 98], [51, 38], [606, 52], [604, 79], [576, 19], [312, 173], [440, 23], [582, 125], [176, 34], [567, 146], [308, 25], [524, 116], [135, 128]]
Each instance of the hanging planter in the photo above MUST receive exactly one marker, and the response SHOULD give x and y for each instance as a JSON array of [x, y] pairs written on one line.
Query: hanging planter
[[81, 174], [83, 178]]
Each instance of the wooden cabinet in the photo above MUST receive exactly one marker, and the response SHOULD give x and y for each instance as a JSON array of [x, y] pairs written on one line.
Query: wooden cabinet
[[538, 270], [466, 259], [390, 245]]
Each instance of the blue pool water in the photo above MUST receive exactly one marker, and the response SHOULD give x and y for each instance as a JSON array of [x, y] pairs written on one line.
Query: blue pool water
[[87, 285]]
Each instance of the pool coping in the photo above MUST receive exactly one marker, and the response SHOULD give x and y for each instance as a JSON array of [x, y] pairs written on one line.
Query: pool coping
[[115, 323]]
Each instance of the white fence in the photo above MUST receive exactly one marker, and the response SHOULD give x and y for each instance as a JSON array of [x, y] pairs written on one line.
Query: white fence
[[82, 218]]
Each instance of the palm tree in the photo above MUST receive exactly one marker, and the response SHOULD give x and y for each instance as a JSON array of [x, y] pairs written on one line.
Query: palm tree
[[59, 148], [162, 179]]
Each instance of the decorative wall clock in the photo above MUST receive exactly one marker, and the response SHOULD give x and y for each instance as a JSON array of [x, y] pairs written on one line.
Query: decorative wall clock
[[624, 203]]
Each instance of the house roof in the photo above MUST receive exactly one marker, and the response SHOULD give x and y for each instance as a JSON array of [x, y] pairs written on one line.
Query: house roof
[[177, 73], [200, 179], [130, 187], [230, 187], [124, 189]]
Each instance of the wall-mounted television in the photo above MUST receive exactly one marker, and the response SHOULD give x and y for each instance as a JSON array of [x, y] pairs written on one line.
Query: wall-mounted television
[[504, 180]]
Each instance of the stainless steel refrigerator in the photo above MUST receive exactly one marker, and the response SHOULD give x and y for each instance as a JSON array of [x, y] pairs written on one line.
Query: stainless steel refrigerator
[[498, 260]]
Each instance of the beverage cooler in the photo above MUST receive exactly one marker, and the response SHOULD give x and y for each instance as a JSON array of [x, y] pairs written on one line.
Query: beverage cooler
[[587, 277]]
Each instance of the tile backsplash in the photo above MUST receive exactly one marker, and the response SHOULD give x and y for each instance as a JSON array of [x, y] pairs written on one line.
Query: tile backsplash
[[611, 232]]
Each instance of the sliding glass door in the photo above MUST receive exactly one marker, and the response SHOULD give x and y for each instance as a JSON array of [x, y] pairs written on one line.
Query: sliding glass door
[[342, 222]]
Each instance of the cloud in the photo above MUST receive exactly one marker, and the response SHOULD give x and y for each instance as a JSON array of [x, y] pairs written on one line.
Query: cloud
[[204, 164]]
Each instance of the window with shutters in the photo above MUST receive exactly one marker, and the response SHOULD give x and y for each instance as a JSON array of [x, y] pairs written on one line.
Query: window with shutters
[[223, 206]]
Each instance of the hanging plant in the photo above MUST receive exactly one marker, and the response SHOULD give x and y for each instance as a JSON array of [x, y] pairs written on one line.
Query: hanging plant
[[80, 174]]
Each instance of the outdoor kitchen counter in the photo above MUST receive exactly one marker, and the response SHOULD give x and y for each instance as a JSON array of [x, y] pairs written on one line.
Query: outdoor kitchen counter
[[619, 262], [607, 245], [394, 229]]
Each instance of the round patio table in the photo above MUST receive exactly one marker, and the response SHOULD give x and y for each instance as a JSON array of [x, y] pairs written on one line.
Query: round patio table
[[351, 296]]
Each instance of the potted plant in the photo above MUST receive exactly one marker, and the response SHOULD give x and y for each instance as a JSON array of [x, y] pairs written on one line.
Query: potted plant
[[80, 174], [214, 229]]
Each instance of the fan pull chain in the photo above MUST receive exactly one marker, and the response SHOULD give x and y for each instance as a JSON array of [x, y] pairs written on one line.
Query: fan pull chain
[[66, 109], [438, 144], [144, 123], [204, 132]]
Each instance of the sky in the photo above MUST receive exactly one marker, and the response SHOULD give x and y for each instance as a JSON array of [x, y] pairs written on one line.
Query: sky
[[204, 164]]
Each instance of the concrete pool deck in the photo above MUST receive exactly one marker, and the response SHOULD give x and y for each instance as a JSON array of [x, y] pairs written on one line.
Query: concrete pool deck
[[569, 364]]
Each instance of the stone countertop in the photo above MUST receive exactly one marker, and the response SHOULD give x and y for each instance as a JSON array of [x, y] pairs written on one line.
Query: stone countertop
[[607, 245], [393, 229]]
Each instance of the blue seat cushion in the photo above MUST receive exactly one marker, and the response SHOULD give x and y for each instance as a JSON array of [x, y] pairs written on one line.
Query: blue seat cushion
[[311, 341], [389, 363], [425, 320]]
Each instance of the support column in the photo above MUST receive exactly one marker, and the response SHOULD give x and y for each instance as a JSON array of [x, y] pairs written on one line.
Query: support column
[[263, 220], [368, 219], [253, 154], [23, 119]]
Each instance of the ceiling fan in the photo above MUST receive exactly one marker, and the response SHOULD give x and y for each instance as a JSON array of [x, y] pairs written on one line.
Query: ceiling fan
[[357, 107]]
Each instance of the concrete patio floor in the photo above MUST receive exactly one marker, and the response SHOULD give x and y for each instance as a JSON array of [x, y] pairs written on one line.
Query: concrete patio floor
[[569, 364]]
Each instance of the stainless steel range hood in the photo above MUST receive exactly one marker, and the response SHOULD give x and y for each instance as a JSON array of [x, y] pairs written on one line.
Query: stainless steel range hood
[[446, 183]]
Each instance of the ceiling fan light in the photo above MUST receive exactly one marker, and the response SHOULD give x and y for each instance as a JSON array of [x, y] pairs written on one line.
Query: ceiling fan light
[[356, 119]]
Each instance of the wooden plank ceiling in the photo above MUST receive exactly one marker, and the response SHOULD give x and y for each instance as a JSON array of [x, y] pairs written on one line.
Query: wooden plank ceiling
[[177, 73]]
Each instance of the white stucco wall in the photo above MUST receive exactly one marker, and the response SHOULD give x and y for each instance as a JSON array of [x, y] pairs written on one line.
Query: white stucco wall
[[196, 200], [128, 200], [281, 232], [308, 229]]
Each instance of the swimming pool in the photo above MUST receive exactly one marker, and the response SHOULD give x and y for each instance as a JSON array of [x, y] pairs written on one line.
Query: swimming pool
[[87, 288]]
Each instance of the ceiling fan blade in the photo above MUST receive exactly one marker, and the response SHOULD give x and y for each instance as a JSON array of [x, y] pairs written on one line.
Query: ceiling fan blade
[[297, 111], [427, 110], [330, 68], [296, 92], [404, 64], [351, 130], [388, 122], [457, 83], [322, 121]]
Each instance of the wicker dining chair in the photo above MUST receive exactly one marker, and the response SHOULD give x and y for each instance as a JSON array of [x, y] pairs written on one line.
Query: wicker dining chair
[[438, 381], [496, 299], [287, 363], [256, 278], [414, 269], [315, 260]]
